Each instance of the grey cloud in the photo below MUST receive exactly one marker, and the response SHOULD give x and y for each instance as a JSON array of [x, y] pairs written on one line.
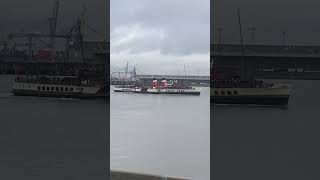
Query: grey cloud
[[32, 15], [185, 24], [299, 19]]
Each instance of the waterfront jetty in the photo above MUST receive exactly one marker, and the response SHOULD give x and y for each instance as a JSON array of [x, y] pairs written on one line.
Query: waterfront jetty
[[123, 175]]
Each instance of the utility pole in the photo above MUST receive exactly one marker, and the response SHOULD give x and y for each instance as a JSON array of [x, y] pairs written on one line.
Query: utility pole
[[219, 36], [284, 34], [219, 39], [252, 29], [84, 21], [185, 74], [53, 21], [127, 69], [243, 68]]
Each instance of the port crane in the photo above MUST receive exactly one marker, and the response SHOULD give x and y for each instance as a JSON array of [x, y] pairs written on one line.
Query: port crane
[[53, 21]]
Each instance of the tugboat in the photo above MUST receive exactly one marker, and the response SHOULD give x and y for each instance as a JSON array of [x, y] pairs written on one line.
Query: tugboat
[[171, 88], [58, 87]]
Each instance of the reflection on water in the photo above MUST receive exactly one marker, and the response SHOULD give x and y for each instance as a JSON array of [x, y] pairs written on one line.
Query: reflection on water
[[46, 138], [161, 134], [269, 142]]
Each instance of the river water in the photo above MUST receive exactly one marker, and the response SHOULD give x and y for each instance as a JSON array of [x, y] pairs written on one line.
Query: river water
[[269, 142], [161, 134], [45, 138]]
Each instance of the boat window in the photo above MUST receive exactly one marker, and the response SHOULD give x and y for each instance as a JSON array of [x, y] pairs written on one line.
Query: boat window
[[66, 89], [43, 88], [61, 88], [39, 88], [222, 92], [52, 88], [71, 89], [216, 92], [229, 92], [48, 88], [57, 88], [235, 92]]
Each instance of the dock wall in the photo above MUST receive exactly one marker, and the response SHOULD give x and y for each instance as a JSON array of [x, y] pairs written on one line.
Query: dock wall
[[122, 175]]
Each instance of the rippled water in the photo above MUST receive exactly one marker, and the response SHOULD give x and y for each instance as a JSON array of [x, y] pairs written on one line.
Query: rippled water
[[161, 134], [269, 142], [46, 138]]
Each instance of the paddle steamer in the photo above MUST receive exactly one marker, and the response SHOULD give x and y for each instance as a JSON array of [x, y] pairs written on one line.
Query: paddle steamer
[[171, 88]]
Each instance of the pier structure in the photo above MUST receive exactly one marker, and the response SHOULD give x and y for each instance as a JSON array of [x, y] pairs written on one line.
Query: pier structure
[[147, 79], [122, 175], [267, 61]]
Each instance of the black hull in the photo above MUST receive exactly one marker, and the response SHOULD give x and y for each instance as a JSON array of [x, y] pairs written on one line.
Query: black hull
[[174, 93], [254, 100], [59, 95], [146, 92], [125, 91]]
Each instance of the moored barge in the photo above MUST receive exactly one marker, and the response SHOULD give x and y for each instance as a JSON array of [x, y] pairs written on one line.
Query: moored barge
[[126, 88]]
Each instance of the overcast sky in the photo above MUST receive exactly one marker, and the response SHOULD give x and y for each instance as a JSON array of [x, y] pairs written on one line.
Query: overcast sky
[[299, 19], [160, 37], [32, 16]]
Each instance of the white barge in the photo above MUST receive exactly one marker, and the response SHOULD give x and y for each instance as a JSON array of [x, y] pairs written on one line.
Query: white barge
[[126, 88]]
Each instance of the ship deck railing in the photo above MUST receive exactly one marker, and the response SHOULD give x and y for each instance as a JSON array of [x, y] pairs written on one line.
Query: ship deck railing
[[239, 84], [59, 82]]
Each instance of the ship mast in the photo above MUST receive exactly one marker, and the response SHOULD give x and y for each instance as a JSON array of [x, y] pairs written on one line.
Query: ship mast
[[185, 74], [243, 61], [127, 69], [53, 21], [82, 50]]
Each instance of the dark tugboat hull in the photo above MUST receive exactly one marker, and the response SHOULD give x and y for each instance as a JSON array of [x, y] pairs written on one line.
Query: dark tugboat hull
[[253, 100]]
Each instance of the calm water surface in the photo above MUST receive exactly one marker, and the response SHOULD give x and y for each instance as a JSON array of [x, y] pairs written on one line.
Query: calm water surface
[[46, 138], [269, 143], [161, 134]]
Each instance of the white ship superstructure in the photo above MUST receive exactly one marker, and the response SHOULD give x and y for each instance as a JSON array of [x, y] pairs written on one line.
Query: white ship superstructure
[[57, 86], [273, 94]]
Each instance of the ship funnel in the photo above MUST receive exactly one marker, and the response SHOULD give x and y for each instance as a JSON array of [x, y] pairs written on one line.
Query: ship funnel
[[154, 83], [164, 82]]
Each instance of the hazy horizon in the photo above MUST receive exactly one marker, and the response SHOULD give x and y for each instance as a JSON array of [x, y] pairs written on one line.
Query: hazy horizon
[[269, 19]]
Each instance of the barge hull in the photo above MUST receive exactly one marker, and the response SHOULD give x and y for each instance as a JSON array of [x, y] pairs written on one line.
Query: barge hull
[[254, 100], [57, 95], [184, 93]]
